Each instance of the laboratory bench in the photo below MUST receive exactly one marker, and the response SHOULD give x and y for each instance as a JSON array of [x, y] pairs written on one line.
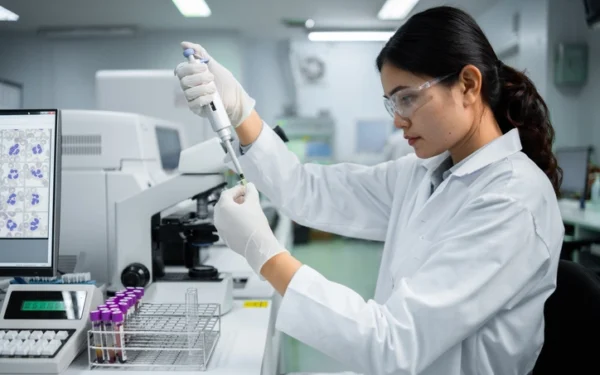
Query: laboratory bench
[[586, 222], [248, 342]]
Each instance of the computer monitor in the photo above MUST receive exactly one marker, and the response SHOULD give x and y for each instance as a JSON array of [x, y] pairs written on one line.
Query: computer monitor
[[29, 192], [574, 162]]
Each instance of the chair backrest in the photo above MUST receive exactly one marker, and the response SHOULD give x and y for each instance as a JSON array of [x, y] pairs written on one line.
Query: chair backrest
[[572, 319]]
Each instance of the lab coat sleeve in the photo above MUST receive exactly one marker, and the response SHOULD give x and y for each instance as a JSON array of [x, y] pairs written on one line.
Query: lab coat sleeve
[[346, 199], [489, 258]]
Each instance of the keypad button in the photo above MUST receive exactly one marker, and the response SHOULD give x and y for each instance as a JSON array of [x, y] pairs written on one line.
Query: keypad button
[[2, 333], [36, 335], [62, 335], [11, 335], [23, 350], [49, 350], [24, 335], [49, 335]]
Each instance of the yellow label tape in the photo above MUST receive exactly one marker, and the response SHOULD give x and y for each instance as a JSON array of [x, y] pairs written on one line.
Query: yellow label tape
[[256, 304]]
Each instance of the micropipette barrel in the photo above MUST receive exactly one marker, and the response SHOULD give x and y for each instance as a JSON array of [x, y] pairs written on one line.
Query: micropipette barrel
[[219, 120]]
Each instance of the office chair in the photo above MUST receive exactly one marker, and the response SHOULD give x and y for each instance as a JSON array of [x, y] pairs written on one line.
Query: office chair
[[572, 316]]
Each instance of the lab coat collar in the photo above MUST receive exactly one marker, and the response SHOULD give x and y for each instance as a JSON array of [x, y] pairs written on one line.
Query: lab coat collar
[[498, 149]]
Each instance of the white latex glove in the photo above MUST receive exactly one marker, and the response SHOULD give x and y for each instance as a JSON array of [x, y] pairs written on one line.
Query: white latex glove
[[200, 81], [243, 226]]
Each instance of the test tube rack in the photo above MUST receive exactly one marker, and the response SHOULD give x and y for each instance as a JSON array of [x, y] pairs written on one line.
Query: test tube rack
[[158, 337]]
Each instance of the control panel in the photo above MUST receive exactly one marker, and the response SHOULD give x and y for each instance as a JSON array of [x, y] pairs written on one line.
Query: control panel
[[43, 327]]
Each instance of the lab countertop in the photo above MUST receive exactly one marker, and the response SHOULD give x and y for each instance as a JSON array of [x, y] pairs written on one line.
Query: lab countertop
[[245, 338], [572, 214]]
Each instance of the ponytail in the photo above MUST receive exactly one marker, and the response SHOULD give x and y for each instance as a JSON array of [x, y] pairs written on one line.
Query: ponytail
[[521, 106]]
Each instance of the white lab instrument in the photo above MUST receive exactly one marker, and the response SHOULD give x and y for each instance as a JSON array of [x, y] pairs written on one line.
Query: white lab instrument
[[466, 268], [108, 157], [219, 120], [122, 174], [154, 93], [43, 327]]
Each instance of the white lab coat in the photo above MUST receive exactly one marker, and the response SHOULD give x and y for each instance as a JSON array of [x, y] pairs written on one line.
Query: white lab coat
[[465, 270], [397, 146]]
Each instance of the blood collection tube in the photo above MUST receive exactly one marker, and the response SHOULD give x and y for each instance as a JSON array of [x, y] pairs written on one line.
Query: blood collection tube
[[140, 294], [108, 336], [117, 319], [124, 307], [96, 320], [135, 298], [120, 295]]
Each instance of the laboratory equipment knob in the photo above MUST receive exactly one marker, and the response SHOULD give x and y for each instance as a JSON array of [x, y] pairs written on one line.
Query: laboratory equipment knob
[[136, 274]]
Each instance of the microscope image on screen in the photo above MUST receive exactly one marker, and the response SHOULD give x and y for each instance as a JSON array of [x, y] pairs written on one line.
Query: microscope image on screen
[[24, 182]]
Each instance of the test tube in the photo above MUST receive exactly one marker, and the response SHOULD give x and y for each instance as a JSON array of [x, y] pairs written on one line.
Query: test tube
[[134, 297], [130, 302], [108, 336], [120, 295], [130, 289], [117, 319], [191, 312], [124, 307], [96, 320]]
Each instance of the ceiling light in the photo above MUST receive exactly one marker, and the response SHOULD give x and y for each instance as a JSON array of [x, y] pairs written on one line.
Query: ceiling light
[[7, 15], [350, 36], [193, 8], [396, 9], [309, 24]]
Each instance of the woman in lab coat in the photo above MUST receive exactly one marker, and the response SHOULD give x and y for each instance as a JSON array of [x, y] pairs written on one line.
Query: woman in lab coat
[[471, 223]]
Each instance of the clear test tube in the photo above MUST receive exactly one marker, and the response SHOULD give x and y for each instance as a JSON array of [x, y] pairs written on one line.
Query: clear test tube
[[108, 336], [117, 320], [96, 320], [191, 312]]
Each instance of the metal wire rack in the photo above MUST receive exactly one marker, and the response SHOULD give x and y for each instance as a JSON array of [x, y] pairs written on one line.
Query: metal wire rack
[[159, 336]]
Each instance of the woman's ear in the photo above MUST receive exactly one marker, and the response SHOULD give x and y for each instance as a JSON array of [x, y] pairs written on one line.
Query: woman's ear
[[470, 81]]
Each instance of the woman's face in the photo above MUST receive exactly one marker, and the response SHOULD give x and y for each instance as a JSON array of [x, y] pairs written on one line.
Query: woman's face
[[439, 119]]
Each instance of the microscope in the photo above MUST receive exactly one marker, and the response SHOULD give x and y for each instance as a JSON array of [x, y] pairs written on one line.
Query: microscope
[[183, 238]]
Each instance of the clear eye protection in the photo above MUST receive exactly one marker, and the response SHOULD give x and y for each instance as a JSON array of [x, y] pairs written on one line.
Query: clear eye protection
[[406, 101]]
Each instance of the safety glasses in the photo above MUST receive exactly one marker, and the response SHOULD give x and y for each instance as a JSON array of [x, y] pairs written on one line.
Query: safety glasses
[[406, 101]]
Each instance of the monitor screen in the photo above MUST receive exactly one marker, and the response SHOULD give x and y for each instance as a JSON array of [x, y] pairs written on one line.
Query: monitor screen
[[169, 147], [29, 162], [574, 164]]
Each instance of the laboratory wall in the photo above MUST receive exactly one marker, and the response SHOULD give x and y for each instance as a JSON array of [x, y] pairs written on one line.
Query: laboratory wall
[[265, 67], [61, 72], [518, 31], [350, 90], [591, 93], [572, 113]]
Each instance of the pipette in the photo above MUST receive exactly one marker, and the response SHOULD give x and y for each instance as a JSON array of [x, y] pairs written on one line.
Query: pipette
[[218, 118]]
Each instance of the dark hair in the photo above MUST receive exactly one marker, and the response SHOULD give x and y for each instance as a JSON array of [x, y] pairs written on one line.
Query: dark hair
[[442, 41]]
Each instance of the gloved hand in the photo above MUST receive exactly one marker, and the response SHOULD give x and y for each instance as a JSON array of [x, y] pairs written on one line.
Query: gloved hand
[[243, 226], [200, 81]]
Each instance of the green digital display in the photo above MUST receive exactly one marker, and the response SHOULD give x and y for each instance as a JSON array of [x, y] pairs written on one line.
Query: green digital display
[[43, 306]]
